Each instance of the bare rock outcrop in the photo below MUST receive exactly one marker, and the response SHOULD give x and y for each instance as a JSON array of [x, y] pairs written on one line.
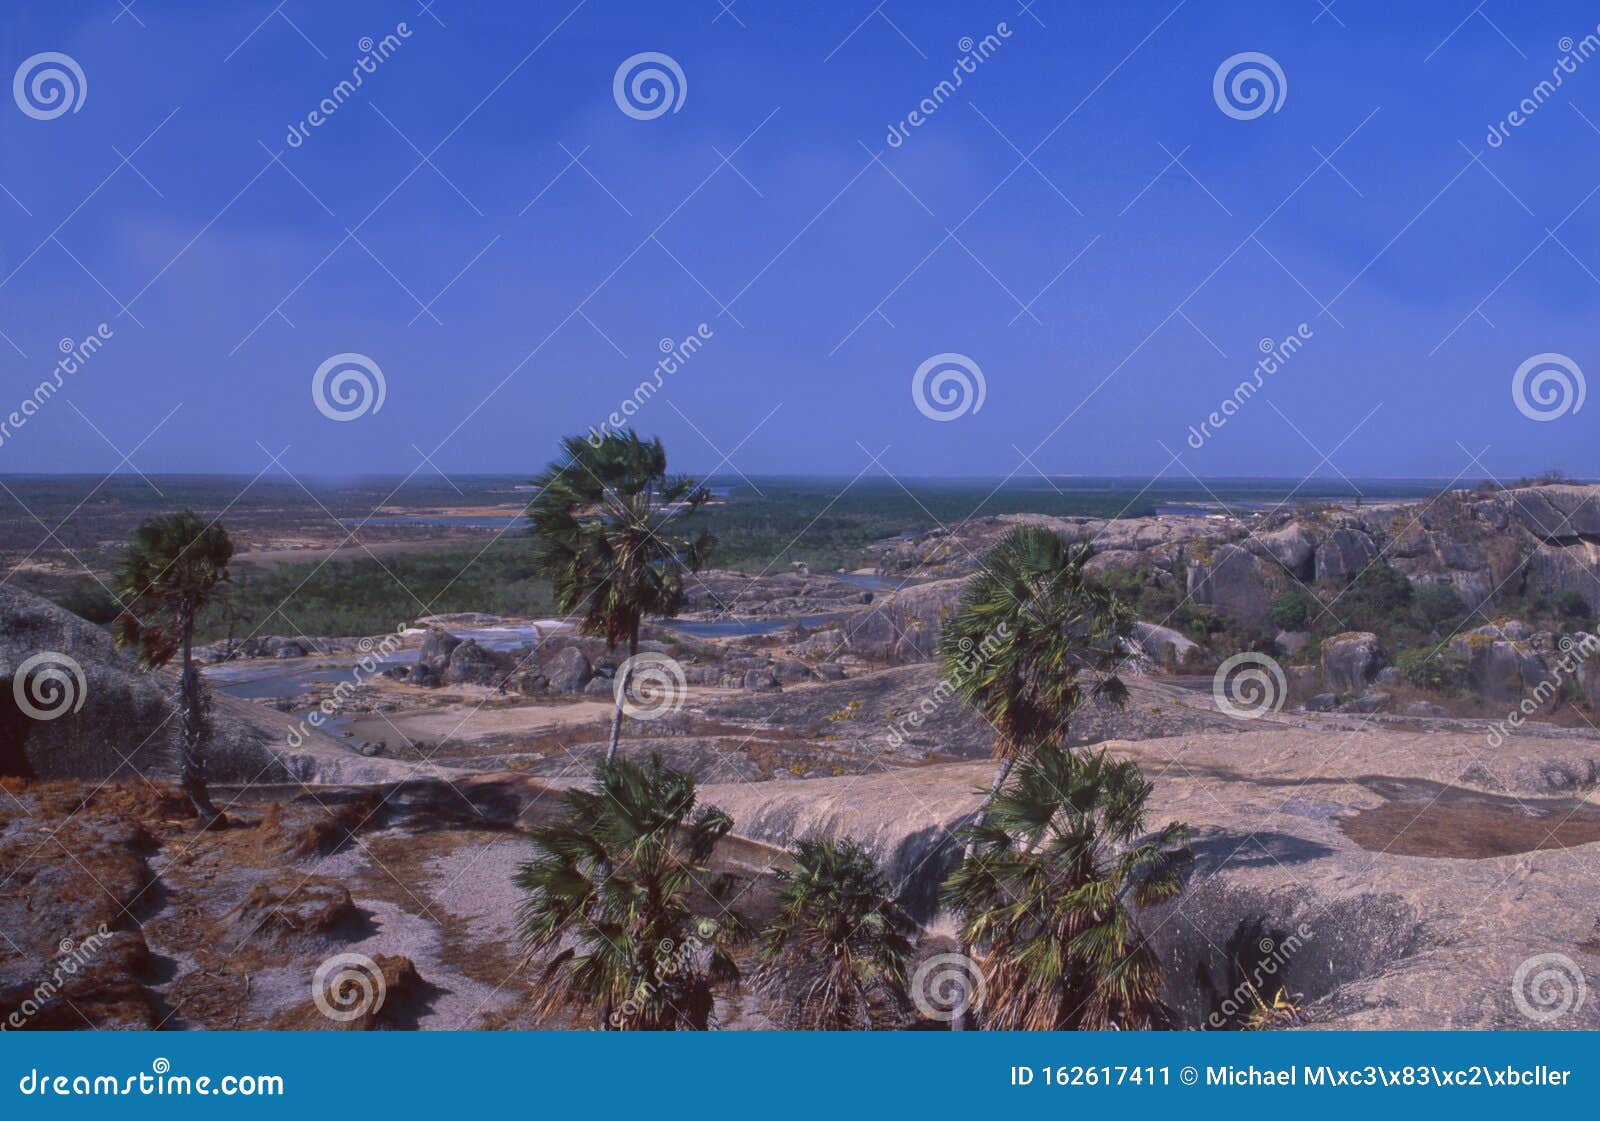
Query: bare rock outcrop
[[1350, 661], [1533, 542], [1235, 581], [905, 626], [91, 712]]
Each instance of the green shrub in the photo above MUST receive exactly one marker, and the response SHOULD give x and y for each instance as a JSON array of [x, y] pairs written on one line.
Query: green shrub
[[1291, 610], [1574, 606], [1428, 667]]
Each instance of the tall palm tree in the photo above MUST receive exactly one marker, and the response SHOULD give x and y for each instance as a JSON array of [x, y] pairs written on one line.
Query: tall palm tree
[[1032, 638], [619, 903], [176, 566], [601, 517], [834, 956], [1061, 860]]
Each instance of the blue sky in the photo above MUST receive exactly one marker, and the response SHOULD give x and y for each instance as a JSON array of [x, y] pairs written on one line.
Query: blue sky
[[509, 294]]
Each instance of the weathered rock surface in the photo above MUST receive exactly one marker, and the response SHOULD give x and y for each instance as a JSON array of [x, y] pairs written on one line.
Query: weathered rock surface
[[1167, 648], [1538, 541], [1350, 661], [1501, 663], [122, 720], [1422, 929], [1234, 581], [718, 594], [903, 626]]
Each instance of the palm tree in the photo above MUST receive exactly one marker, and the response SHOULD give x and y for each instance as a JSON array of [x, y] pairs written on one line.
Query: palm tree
[[600, 517], [619, 899], [1061, 859], [1032, 638], [176, 566], [834, 955]]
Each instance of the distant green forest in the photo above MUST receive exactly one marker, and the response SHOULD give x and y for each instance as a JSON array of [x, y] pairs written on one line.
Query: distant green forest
[[829, 525], [760, 524]]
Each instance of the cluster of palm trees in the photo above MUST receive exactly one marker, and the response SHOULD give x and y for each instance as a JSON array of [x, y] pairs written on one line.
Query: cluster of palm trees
[[1057, 857], [633, 926], [634, 929], [623, 905]]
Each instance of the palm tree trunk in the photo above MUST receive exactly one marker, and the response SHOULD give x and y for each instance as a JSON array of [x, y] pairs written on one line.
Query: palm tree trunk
[[622, 691], [192, 710], [967, 1021]]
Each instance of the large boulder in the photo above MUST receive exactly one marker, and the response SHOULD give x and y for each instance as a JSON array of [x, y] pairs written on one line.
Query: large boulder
[[1232, 580], [102, 717], [437, 646], [71, 703], [1169, 649], [1554, 571], [471, 664], [761, 681], [791, 669], [1560, 513], [568, 670], [1350, 661], [1294, 547], [1501, 664], [905, 626], [1343, 554]]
